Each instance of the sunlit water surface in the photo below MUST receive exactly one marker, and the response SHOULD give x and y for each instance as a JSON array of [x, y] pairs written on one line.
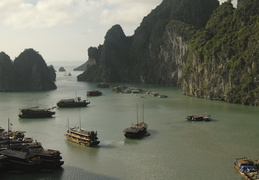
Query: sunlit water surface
[[176, 149]]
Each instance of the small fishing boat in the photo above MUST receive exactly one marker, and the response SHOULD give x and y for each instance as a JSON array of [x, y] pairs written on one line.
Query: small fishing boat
[[194, 118], [206, 117], [67, 74]]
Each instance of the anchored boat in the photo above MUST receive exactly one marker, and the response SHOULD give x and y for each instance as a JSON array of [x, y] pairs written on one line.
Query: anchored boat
[[206, 117], [76, 102], [81, 136], [247, 168], [36, 112], [138, 130], [94, 93]]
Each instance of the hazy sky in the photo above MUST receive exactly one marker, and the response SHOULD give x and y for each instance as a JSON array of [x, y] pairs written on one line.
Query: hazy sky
[[63, 30]]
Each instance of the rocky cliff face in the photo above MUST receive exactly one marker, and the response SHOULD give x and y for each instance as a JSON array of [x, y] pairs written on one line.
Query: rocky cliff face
[[7, 76], [157, 52], [109, 62], [195, 44], [28, 72], [52, 73], [225, 66]]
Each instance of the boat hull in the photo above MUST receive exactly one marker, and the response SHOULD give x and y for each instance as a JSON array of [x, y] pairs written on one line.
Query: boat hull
[[37, 115], [136, 135], [71, 105]]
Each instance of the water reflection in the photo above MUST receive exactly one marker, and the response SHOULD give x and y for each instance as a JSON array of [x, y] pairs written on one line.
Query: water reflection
[[65, 173]]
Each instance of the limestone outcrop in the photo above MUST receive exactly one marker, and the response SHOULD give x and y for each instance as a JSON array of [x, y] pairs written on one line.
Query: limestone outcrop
[[28, 72]]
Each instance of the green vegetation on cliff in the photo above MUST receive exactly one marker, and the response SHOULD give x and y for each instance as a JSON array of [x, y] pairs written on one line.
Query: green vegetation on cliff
[[140, 57], [210, 50], [223, 60]]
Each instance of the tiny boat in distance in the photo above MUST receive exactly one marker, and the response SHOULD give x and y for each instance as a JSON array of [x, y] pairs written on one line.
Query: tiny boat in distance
[[77, 102], [206, 117], [36, 112], [94, 93]]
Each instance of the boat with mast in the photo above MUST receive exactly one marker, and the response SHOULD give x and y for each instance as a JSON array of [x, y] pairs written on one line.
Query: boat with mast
[[20, 154], [76, 102], [81, 136], [72, 102], [36, 112], [138, 130]]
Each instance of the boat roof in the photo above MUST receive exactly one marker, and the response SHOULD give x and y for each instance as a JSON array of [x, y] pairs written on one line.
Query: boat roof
[[17, 154]]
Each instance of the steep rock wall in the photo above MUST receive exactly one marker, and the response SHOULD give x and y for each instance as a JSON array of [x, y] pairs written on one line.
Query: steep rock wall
[[6, 73], [28, 72], [223, 60], [211, 51], [157, 52]]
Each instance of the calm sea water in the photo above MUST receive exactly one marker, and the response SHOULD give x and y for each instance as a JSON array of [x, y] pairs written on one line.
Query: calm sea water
[[176, 149]]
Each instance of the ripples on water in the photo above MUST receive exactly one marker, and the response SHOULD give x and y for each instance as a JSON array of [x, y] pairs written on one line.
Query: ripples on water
[[176, 148]]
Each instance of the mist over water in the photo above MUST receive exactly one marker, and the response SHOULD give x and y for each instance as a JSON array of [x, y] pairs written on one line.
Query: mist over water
[[176, 149]]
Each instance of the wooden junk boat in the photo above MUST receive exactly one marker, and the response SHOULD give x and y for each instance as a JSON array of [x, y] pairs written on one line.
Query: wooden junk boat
[[19, 154], [81, 136], [30, 159], [36, 112], [138, 130], [76, 102]]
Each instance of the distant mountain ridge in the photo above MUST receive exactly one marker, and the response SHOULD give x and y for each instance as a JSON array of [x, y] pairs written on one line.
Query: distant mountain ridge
[[209, 50], [28, 72]]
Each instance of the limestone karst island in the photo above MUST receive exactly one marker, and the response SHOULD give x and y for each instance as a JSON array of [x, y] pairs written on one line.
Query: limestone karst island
[[209, 50]]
